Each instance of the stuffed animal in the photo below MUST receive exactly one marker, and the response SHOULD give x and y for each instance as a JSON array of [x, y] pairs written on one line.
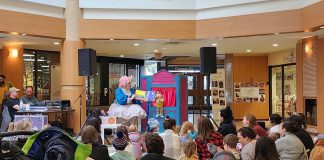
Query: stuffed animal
[[159, 101]]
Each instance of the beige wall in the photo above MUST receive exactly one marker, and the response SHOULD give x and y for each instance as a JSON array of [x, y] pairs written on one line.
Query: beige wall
[[56, 82], [278, 58]]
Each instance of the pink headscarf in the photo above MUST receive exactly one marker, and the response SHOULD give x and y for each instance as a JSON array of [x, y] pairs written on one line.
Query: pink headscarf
[[124, 80]]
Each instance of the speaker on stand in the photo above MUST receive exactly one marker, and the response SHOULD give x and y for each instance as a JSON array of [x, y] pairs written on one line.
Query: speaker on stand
[[208, 66], [87, 67]]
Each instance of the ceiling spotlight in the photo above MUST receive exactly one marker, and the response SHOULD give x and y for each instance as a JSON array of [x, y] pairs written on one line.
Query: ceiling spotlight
[[111, 39], [136, 44], [322, 27], [214, 44], [14, 33], [277, 33], [56, 43], [220, 38], [122, 55], [23, 34], [275, 45], [155, 51], [248, 50]]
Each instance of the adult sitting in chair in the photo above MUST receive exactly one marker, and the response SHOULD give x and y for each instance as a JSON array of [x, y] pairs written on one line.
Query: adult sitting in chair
[[29, 98], [126, 106]]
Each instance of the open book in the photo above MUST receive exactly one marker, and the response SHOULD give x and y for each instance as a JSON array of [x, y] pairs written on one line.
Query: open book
[[150, 95]]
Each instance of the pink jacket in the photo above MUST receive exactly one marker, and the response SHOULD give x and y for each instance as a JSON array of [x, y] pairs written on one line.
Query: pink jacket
[[138, 144]]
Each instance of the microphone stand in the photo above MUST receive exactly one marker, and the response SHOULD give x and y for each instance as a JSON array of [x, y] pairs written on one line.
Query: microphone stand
[[80, 98]]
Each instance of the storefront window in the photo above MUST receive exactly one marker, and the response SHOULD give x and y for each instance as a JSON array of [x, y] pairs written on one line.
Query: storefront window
[[37, 72]]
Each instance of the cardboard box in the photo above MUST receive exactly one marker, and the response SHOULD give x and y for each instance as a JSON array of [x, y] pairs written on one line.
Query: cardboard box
[[38, 121]]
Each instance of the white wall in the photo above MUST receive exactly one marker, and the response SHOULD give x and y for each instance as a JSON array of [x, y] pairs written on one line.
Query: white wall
[[278, 58]]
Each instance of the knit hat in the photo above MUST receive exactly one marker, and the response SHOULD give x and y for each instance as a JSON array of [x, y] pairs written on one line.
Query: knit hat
[[153, 123], [120, 142]]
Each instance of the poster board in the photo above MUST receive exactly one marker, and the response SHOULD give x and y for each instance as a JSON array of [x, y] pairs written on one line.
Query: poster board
[[218, 92], [249, 92]]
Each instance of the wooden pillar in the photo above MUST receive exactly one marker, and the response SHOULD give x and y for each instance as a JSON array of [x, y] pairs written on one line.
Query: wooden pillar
[[72, 83], [299, 78], [13, 64], [320, 85]]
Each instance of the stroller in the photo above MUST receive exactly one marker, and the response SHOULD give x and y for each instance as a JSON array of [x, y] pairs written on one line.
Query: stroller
[[11, 144], [49, 144]]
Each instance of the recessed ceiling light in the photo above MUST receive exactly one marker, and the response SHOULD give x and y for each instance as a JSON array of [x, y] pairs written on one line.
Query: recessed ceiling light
[[155, 51], [56, 43], [248, 50], [220, 38], [111, 39], [122, 55], [23, 34], [14, 33], [277, 33], [275, 45], [322, 27], [136, 44], [214, 44]]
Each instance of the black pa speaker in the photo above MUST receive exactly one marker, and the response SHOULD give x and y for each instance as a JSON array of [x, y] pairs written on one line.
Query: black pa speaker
[[208, 60], [87, 62]]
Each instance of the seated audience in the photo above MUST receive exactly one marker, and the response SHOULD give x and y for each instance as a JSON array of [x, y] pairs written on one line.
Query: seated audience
[[207, 134], [13, 102], [129, 148], [190, 150], [275, 120], [302, 134], [265, 149], [226, 118], [289, 145], [246, 137], [29, 97], [224, 155], [274, 136], [94, 122], [230, 143], [155, 147], [120, 142], [153, 125], [136, 141], [187, 131], [170, 137], [318, 151], [89, 135], [249, 120]]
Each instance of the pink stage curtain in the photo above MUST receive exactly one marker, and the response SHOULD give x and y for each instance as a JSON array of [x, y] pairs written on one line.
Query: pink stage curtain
[[169, 95]]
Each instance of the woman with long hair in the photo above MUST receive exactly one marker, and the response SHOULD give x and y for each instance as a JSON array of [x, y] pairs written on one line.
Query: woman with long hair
[[207, 135], [265, 149], [249, 120]]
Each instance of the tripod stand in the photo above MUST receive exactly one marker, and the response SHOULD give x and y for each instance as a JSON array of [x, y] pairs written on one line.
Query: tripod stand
[[88, 112], [208, 101]]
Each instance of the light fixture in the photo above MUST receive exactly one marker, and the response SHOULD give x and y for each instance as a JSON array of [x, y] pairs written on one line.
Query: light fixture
[[111, 39], [214, 44], [56, 43], [220, 38], [40, 60], [39, 70], [275, 45], [277, 33], [155, 51], [28, 55], [122, 55], [24, 34], [14, 53], [14, 33], [248, 50], [136, 44], [45, 66], [322, 27]]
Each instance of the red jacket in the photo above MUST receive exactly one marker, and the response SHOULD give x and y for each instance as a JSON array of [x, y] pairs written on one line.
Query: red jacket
[[215, 138]]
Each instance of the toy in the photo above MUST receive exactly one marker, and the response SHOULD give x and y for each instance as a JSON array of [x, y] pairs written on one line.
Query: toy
[[159, 101]]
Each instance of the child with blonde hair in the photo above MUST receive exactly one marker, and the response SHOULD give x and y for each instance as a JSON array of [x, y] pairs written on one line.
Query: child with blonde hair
[[190, 151], [136, 141], [187, 132]]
